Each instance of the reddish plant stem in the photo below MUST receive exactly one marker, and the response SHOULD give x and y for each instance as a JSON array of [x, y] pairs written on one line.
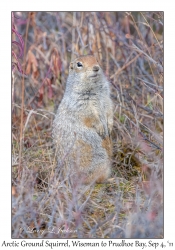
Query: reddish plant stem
[[22, 104]]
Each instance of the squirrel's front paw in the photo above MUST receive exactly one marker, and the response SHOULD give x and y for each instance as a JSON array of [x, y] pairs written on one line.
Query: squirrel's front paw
[[100, 129], [110, 126]]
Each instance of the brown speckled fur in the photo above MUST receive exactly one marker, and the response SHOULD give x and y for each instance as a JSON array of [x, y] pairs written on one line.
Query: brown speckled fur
[[83, 123]]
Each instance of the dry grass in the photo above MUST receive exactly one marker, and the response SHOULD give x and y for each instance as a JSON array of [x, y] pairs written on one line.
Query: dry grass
[[130, 49]]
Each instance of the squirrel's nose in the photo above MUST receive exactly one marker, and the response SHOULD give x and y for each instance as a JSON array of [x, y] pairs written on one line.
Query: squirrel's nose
[[96, 68]]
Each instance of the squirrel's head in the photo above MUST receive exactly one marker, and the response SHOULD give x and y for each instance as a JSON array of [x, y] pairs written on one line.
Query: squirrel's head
[[85, 69]]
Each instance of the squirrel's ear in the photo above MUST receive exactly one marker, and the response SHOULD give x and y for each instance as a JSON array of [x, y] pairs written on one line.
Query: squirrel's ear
[[71, 66]]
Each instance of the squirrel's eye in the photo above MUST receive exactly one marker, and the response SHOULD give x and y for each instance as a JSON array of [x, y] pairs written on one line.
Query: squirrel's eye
[[79, 64]]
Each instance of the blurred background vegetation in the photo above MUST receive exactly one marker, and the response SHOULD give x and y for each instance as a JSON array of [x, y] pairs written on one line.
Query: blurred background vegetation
[[129, 47]]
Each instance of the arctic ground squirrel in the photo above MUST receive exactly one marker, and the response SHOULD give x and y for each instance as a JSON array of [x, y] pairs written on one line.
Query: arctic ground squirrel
[[83, 123]]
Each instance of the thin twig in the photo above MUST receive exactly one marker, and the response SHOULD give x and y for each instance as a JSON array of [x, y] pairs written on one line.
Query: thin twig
[[22, 103], [126, 65]]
